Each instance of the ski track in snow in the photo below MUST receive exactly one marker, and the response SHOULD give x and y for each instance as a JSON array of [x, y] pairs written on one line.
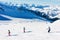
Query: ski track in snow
[[34, 31]]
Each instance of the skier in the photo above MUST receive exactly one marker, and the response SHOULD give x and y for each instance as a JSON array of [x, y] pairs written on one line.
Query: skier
[[49, 29], [9, 33], [24, 29]]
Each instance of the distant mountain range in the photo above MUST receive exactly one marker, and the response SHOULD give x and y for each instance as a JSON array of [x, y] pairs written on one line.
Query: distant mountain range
[[27, 12]]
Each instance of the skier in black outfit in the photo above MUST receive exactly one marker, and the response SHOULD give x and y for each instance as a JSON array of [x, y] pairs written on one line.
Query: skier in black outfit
[[24, 29], [49, 29], [9, 33]]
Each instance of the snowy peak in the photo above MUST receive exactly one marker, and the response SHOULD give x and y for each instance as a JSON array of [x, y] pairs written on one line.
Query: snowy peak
[[28, 12]]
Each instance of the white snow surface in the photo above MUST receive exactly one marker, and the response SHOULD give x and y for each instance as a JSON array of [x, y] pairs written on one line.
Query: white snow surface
[[35, 30]]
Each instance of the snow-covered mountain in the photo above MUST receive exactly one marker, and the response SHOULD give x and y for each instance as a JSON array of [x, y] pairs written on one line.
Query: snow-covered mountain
[[26, 11], [51, 11]]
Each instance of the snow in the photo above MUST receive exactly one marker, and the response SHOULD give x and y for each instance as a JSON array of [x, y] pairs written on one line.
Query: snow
[[35, 30], [56, 26]]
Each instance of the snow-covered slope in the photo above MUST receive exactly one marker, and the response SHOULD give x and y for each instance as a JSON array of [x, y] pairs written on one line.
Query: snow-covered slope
[[34, 31], [55, 26]]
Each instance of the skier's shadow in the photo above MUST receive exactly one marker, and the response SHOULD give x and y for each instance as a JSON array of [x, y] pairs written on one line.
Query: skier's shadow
[[28, 31], [13, 35], [55, 32]]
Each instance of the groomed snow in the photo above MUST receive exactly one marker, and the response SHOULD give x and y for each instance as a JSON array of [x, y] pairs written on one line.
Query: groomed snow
[[56, 26], [35, 30]]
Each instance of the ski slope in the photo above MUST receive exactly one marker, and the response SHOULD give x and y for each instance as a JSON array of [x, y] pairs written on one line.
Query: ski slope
[[35, 30]]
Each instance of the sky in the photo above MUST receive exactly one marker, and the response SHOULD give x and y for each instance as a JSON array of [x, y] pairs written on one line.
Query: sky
[[52, 2]]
